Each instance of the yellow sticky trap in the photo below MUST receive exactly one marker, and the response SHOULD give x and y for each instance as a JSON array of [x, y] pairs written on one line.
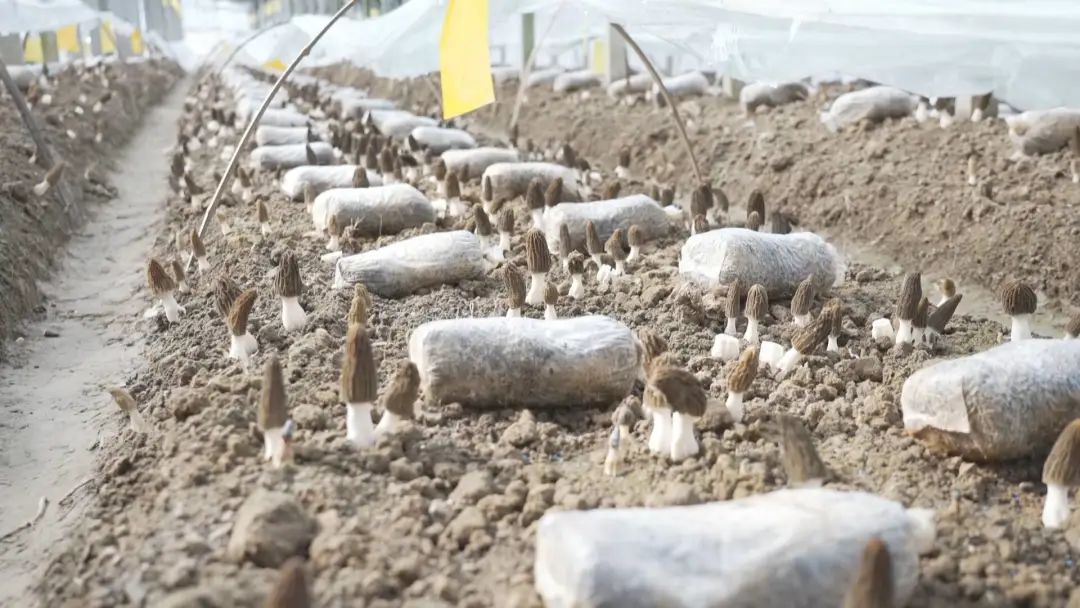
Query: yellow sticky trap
[[275, 64], [136, 42], [108, 39], [32, 50], [464, 58], [67, 38], [599, 57]]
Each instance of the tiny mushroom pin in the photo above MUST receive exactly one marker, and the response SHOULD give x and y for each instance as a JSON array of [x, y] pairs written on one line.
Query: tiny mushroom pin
[[241, 343], [1061, 471], [757, 306], [740, 380], [272, 413], [873, 586], [515, 290], [399, 399], [538, 260], [288, 287], [163, 287], [1019, 301], [575, 265], [907, 306]]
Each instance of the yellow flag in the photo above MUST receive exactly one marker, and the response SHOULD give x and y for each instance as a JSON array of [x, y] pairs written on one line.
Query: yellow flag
[[32, 50], [108, 39], [136, 42], [67, 38], [275, 64], [463, 58], [599, 57]]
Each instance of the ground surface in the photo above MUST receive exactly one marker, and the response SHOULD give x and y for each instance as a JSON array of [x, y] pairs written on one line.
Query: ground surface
[[444, 514]]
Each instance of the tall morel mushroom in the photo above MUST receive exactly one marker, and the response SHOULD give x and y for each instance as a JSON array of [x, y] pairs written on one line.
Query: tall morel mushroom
[[399, 398], [622, 171], [225, 293], [740, 380], [506, 228], [802, 301], [757, 306], [539, 262], [288, 287], [907, 306], [918, 323], [534, 198], [361, 303], [454, 205], [635, 239], [593, 244], [163, 288], [263, 215], [756, 202], [241, 343], [802, 465], [575, 265], [515, 290], [836, 309], [804, 342], [615, 249], [677, 390], [551, 298], [199, 249], [733, 306], [1019, 301], [564, 245], [1061, 471], [272, 414], [359, 385], [482, 228], [873, 586], [180, 276]]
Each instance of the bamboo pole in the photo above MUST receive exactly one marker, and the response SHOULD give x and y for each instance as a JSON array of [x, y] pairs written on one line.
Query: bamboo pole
[[220, 191], [667, 97]]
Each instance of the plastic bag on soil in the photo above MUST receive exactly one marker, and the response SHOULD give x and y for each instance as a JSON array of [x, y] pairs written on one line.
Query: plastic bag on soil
[[638, 83], [404, 267], [1042, 131], [792, 548], [685, 85], [283, 118], [23, 75], [575, 81], [764, 94], [267, 135], [521, 362], [607, 216], [440, 139], [1007, 402], [542, 77], [512, 179], [477, 160], [505, 74], [322, 178], [292, 155], [875, 103], [373, 211], [399, 123], [355, 107], [779, 262]]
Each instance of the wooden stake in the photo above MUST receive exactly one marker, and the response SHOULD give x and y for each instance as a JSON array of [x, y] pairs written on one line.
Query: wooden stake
[[255, 121]]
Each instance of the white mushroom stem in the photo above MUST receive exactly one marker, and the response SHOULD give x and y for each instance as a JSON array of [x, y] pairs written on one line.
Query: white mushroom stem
[[293, 316], [358, 426], [513, 313], [440, 191], [488, 206], [1056, 508], [334, 244], [504, 241], [802, 320], [620, 267], [596, 258], [660, 437], [549, 312], [976, 115], [614, 453], [455, 207], [942, 301], [732, 326], [788, 362], [1021, 327], [537, 218], [903, 332], [242, 347], [274, 440], [683, 443], [918, 335], [577, 287], [881, 328], [42, 188], [834, 346], [388, 423], [264, 228], [172, 309], [751, 331], [946, 120], [622, 172], [725, 347], [1073, 170], [537, 285], [735, 406], [182, 286], [635, 253], [204, 264]]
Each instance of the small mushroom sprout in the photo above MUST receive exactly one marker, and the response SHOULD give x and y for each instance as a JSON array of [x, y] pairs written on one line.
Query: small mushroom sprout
[[615, 249], [52, 177], [199, 249], [515, 290], [804, 342], [947, 289], [551, 298], [593, 244], [1019, 301], [622, 171], [575, 265], [163, 288], [454, 205], [241, 343], [272, 414], [399, 399], [918, 323], [740, 380], [733, 306], [482, 227], [802, 301], [534, 198], [802, 465], [835, 309], [757, 306], [359, 384], [506, 228], [263, 215], [130, 408], [538, 260], [288, 287], [635, 239], [873, 586], [1061, 471], [678, 391], [180, 276], [907, 306]]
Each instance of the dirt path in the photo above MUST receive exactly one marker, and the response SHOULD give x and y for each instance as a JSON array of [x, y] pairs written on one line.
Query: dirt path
[[54, 410]]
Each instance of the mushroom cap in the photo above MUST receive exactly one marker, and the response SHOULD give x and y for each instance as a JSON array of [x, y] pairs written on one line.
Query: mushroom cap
[[835, 309], [386, 161], [487, 192], [310, 154], [360, 178], [551, 294], [453, 186], [808, 338], [225, 293], [515, 286], [440, 169], [1062, 466], [624, 158], [272, 413], [698, 205], [261, 212], [733, 304], [704, 191], [753, 221], [537, 255], [1074, 142], [614, 246], [654, 192], [756, 202], [676, 389], [745, 371], [361, 302], [611, 191], [634, 236], [359, 381], [564, 240], [757, 303], [287, 280], [157, 279], [700, 224], [592, 239], [873, 586], [240, 311], [921, 317], [652, 344], [779, 223], [910, 294], [583, 165], [480, 219], [804, 297], [553, 192], [197, 246], [291, 588], [400, 396], [534, 196], [626, 414], [1018, 298], [575, 263], [1073, 328], [309, 194], [178, 270], [506, 220], [798, 454], [667, 196], [569, 158], [942, 314], [721, 202]]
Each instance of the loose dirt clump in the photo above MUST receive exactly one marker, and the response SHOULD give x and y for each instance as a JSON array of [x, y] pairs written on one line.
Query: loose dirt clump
[[444, 512]]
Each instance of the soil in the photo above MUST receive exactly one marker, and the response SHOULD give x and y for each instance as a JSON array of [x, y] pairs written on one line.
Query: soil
[[444, 512], [33, 230]]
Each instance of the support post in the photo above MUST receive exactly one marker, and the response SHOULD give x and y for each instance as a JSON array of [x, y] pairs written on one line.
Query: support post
[[528, 36], [617, 66]]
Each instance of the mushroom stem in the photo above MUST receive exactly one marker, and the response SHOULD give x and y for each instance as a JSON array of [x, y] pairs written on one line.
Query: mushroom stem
[[735, 406], [801, 320], [182, 287], [537, 286], [732, 327], [274, 440], [264, 228], [293, 316], [172, 309], [683, 443], [537, 218], [513, 313], [596, 258], [635, 253], [358, 426], [549, 312], [881, 328], [1056, 508], [504, 241], [620, 267], [1073, 170], [334, 244], [488, 206], [903, 332], [1021, 327], [388, 423], [918, 335], [834, 346], [242, 347], [577, 287], [440, 192], [614, 453], [788, 362], [660, 437], [622, 172], [454, 207], [204, 264], [752, 331]]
